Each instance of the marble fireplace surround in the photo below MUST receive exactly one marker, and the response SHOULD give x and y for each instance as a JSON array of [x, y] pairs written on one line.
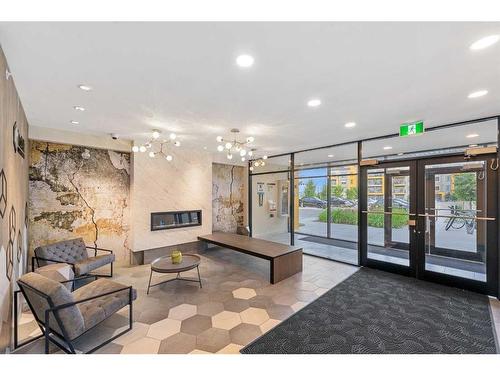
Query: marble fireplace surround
[[161, 186]]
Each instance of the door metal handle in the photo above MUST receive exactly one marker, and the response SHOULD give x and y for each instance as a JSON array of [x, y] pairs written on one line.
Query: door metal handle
[[460, 217], [388, 213]]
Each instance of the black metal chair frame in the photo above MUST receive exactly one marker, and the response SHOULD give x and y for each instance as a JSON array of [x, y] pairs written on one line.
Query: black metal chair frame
[[36, 259], [48, 333]]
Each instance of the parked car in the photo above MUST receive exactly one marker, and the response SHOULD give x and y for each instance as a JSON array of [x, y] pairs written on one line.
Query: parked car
[[312, 202], [340, 202], [376, 202], [396, 202], [400, 203]]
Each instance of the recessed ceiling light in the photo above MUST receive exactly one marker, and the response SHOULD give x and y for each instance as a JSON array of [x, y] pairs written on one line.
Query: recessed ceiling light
[[387, 147], [350, 125], [330, 155], [245, 61], [314, 103], [477, 94], [79, 108], [74, 122], [84, 87], [473, 135], [485, 42]]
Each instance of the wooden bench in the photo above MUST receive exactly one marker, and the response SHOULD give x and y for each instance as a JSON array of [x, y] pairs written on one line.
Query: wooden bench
[[284, 260]]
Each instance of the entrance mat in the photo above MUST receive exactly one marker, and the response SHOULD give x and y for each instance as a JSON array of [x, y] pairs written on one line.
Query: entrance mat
[[382, 313]]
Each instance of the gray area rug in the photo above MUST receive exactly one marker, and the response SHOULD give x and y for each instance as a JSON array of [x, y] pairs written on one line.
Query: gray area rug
[[378, 312]]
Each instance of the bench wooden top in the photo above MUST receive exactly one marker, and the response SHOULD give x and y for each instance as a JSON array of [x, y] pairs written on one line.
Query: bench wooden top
[[249, 245]]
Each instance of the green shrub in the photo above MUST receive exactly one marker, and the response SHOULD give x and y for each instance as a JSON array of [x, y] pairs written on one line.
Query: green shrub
[[350, 216]]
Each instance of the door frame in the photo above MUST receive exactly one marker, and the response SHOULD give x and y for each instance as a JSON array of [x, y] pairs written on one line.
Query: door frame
[[489, 287], [363, 220]]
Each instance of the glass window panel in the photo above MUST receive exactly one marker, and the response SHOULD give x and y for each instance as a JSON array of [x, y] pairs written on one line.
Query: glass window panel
[[313, 195], [388, 199], [455, 240]]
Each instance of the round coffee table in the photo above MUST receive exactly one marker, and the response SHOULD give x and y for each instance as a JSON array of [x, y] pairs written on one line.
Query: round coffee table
[[165, 265]]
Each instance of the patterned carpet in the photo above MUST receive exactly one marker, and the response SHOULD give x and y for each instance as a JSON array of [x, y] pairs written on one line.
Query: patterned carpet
[[382, 313]]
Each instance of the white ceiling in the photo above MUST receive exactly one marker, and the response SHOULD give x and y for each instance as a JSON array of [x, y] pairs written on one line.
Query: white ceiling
[[182, 77]]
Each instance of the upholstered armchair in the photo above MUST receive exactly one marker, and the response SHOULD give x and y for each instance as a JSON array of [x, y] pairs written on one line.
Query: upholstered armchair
[[75, 253], [63, 316]]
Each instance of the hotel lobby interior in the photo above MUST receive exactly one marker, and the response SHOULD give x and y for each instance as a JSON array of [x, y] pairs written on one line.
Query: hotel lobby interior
[[249, 188]]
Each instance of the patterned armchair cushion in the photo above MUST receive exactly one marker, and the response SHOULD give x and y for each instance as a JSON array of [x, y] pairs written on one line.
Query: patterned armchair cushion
[[85, 266], [95, 311], [69, 251], [71, 317]]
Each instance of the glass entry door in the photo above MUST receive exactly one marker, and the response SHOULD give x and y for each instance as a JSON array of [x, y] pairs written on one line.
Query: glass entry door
[[435, 219], [388, 216], [457, 225]]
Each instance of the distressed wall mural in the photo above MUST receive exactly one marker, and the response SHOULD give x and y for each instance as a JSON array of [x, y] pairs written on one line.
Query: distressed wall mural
[[77, 191], [228, 197], [13, 197]]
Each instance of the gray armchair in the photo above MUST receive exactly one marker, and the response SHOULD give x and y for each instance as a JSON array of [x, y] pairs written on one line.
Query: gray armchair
[[64, 316], [75, 253]]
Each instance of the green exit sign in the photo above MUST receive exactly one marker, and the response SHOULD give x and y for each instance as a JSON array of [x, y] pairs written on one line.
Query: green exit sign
[[414, 128]]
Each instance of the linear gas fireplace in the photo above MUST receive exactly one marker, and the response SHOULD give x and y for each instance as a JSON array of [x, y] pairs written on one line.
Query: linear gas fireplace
[[175, 219]]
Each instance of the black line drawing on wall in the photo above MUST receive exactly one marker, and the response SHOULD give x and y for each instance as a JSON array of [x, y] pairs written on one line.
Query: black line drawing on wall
[[10, 247], [3, 193]]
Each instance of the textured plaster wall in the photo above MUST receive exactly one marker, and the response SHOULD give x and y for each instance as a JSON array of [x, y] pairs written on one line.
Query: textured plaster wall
[[79, 191], [228, 197]]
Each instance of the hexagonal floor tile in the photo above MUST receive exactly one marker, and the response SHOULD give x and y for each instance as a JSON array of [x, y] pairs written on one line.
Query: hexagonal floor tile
[[138, 331], [244, 293], [110, 348], [152, 316], [254, 315], [244, 333], [180, 343], [285, 299], [164, 328], [220, 296], [182, 311], [260, 301], [305, 285], [298, 305], [321, 291], [146, 345], [280, 312], [196, 324], [231, 349], [305, 296], [213, 340], [236, 305], [226, 320], [271, 323], [198, 351], [210, 308]]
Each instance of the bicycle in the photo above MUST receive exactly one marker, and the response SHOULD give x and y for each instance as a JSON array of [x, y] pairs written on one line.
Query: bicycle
[[460, 219]]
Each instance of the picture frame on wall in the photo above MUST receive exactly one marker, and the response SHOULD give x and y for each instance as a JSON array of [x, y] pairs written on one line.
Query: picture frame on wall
[[18, 140]]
